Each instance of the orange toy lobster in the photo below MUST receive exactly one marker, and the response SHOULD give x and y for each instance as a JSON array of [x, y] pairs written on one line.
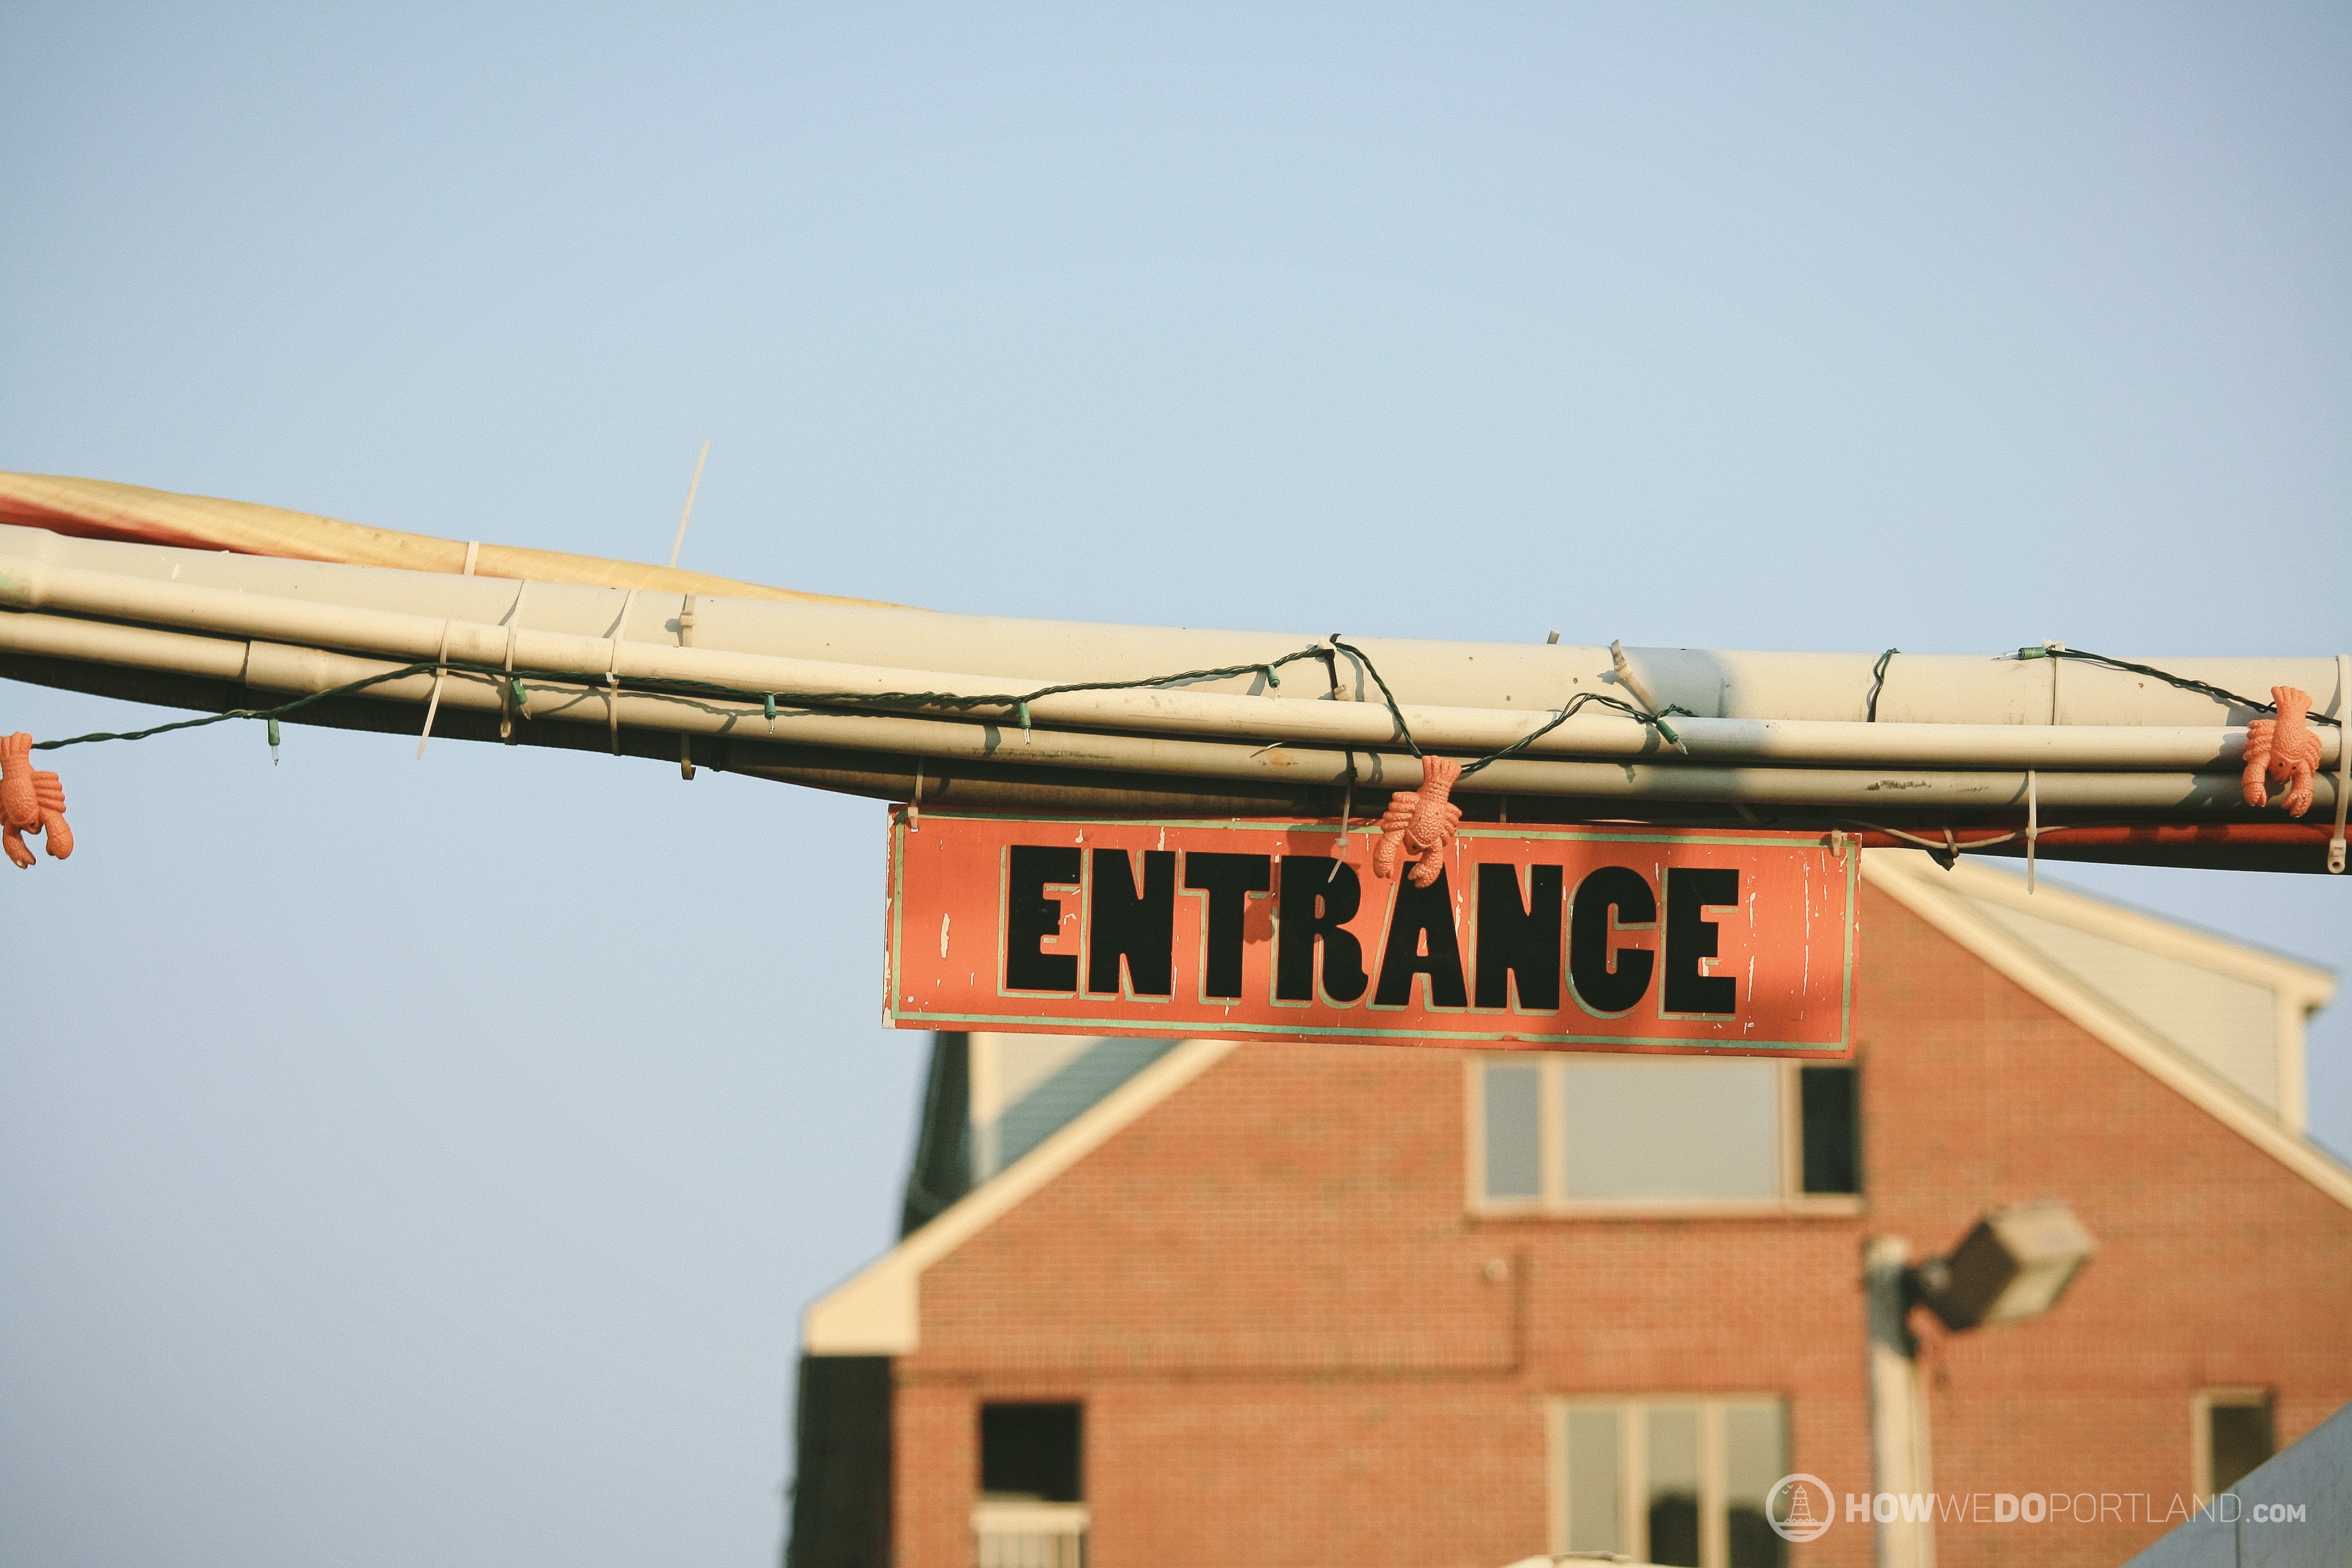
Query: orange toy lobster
[[1421, 821], [2285, 748], [30, 803]]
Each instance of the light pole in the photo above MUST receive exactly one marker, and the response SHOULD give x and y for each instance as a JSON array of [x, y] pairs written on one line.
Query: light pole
[[2014, 1265]]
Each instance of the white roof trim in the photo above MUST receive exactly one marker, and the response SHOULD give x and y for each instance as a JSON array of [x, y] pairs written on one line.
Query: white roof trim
[[2307, 983], [1911, 878], [876, 1310]]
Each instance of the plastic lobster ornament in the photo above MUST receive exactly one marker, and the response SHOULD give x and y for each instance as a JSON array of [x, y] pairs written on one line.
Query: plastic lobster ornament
[[30, 802], [2285, 748], [1420, 824]]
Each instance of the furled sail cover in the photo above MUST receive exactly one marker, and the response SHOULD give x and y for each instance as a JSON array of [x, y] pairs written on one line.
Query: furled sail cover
[[99, 509]]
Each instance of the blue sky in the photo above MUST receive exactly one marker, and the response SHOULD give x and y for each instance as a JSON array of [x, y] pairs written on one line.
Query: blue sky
[[426, 1162]]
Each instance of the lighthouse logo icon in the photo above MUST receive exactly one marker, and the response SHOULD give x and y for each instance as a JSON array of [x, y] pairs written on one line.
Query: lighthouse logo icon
[[1799, 1507]]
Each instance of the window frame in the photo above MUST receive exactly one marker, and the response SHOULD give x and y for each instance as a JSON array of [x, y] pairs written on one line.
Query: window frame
[[1552, 1130], [2201, 1406], [1632, 1464]]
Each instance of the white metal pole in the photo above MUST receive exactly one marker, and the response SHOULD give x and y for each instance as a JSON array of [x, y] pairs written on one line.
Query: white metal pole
[[1898, 1411]]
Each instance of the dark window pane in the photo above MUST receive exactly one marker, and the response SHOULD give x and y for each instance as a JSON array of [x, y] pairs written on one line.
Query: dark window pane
[[2242, 1440], [1754, 1543], [1673, 1485], [1031, 1451], [1832, 1122]]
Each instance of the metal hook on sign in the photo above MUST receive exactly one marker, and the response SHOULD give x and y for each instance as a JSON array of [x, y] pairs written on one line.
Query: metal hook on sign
[[915, 807]]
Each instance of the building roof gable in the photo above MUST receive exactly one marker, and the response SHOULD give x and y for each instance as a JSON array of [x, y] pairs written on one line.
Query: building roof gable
[[876, 1311], [2084, 957]]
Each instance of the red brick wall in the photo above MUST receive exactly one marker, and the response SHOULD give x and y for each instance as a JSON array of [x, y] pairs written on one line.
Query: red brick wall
[[1281, 1320]]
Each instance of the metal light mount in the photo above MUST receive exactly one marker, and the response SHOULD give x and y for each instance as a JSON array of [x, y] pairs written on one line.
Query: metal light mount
[[2014, 1265]]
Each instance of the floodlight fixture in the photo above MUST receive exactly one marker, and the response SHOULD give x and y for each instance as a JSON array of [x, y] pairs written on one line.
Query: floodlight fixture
[[2014, 1265]]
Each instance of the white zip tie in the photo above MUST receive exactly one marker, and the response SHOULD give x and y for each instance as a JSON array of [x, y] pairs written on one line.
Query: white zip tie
[[685, 639], [473, 554], [433, 703], [2032, 827], [2343, 758], [915, 807], [613, 673], [1346, 806], [508, 705]]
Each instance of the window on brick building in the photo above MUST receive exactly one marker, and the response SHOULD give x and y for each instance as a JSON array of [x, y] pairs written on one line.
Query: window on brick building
[[1572, 1132], [2232, 1435], [1829, 1113], [1032, 1512], [1670, 1480]]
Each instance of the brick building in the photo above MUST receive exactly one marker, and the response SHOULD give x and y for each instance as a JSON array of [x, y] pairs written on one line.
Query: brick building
[[1204, 1304]]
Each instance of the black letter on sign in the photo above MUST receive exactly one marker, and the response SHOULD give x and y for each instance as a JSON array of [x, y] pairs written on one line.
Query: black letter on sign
[[1422, 911], [1140, 929], [1317, 896], [1030, 918], [1516, 941], [1690, 938], [1602, 988], [1229, 880]]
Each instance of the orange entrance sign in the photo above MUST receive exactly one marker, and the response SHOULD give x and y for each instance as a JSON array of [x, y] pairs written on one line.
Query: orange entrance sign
[[1599, 938]]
